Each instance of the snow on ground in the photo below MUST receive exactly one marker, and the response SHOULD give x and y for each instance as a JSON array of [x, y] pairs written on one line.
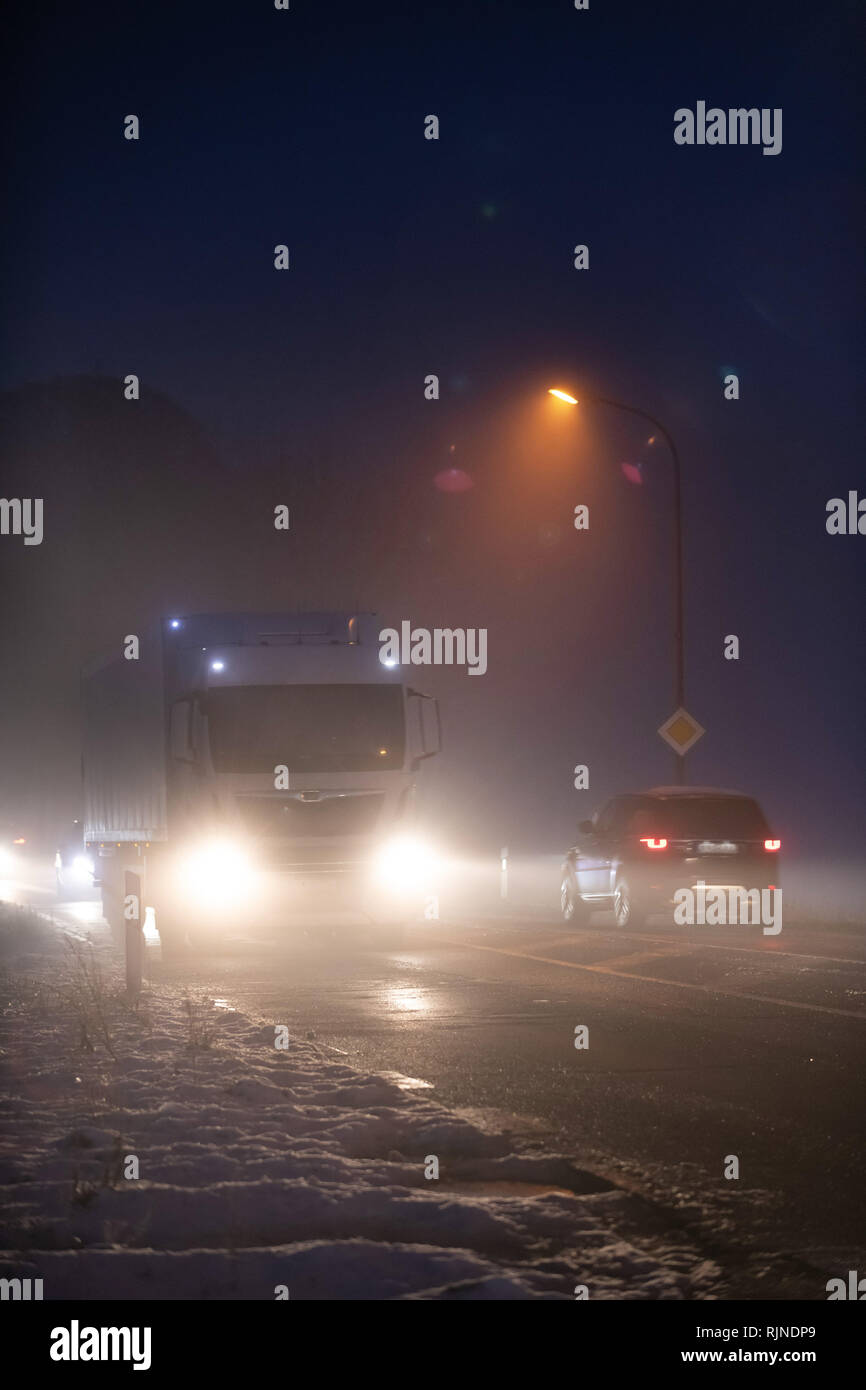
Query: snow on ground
[[261, 1168]]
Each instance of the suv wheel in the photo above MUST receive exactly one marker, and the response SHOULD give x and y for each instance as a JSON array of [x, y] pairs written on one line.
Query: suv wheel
[[627, 910], [573, 907]]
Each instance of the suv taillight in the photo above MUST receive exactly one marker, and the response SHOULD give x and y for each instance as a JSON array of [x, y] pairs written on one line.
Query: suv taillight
[[653, 844], [772, 844]]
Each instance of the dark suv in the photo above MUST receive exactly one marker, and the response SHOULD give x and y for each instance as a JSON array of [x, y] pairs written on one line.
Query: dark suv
[[639, 849]]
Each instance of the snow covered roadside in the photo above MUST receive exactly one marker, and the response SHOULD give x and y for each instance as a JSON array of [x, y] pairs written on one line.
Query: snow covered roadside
[[262, 1169]]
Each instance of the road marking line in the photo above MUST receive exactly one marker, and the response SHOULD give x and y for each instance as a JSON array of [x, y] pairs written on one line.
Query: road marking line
[[594, 933], [756, 951], [654, 980], [636, 957]]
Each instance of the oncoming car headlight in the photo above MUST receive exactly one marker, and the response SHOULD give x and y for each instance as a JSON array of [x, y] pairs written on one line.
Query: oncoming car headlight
[[216, 874], [405, 863]]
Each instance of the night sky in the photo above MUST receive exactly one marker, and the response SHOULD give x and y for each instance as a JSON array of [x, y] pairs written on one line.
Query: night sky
[[454, 257]]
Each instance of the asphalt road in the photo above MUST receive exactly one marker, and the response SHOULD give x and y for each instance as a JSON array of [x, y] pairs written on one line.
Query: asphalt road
[[703, 1043], [726, 1043]]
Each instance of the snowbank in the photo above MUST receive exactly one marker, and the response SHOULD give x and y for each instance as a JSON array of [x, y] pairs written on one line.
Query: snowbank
[[260, 1169]]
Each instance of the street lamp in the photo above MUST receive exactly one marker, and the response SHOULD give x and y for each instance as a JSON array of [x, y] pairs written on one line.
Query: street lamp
[[679, 657]]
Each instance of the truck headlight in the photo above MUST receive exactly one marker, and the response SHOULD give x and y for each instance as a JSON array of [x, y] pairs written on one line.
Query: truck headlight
[[217, 874], [404, 863], [82, 867]]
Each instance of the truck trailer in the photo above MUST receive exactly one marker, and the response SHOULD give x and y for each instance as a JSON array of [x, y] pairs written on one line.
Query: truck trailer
[[241, 767]]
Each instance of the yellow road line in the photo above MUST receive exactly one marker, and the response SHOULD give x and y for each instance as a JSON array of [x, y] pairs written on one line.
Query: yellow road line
[[596, 933], [654, 980]]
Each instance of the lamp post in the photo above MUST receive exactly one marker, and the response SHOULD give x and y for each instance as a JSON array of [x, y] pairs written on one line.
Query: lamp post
[[679, 656]]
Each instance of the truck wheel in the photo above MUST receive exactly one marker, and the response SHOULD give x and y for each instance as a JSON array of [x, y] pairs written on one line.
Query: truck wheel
[[112, 903], [172, 936], [172, 947], [205, 940]]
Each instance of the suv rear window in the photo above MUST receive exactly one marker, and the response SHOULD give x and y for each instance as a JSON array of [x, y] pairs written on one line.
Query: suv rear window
[[700, 817]]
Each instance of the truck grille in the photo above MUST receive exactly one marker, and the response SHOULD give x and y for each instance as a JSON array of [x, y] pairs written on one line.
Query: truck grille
[[298, 816], [308, 860]]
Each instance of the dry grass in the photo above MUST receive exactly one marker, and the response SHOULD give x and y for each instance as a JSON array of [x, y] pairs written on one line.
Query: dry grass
[[201, 1033], [93, 1001]]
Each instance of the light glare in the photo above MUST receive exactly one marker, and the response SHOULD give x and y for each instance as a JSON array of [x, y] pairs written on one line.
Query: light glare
[[217, 874], [405, 864]]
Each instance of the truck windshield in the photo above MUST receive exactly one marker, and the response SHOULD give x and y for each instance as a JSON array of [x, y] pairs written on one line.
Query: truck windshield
[[306, 728]]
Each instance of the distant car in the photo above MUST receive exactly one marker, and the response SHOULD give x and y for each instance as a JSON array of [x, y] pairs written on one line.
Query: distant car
[[73, 868], [12, 851], [640, 849]]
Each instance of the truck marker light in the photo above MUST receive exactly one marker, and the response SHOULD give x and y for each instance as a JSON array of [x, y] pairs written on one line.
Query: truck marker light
[[772, 844], [654, 844]]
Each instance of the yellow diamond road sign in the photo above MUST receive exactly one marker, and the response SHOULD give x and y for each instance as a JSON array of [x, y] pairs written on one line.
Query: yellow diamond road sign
[[681, 731]]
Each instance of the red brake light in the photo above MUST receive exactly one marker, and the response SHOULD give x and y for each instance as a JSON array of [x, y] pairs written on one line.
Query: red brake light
[[772, 844], [653, 844]]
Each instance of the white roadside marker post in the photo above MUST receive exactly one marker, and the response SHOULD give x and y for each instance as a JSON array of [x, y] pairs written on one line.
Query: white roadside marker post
[[134, 938]]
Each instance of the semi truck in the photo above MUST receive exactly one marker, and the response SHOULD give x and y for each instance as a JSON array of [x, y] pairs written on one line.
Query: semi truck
[[248, 766]]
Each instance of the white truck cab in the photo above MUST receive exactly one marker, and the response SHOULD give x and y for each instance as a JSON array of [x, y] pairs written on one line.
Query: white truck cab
[[256, 764]]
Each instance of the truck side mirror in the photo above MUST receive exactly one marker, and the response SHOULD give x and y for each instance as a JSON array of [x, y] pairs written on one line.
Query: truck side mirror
[[427, 728], [180, 732], [431, 728]]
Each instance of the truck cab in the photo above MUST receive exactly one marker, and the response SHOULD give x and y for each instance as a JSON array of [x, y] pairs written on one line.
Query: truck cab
[[279, 775]]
